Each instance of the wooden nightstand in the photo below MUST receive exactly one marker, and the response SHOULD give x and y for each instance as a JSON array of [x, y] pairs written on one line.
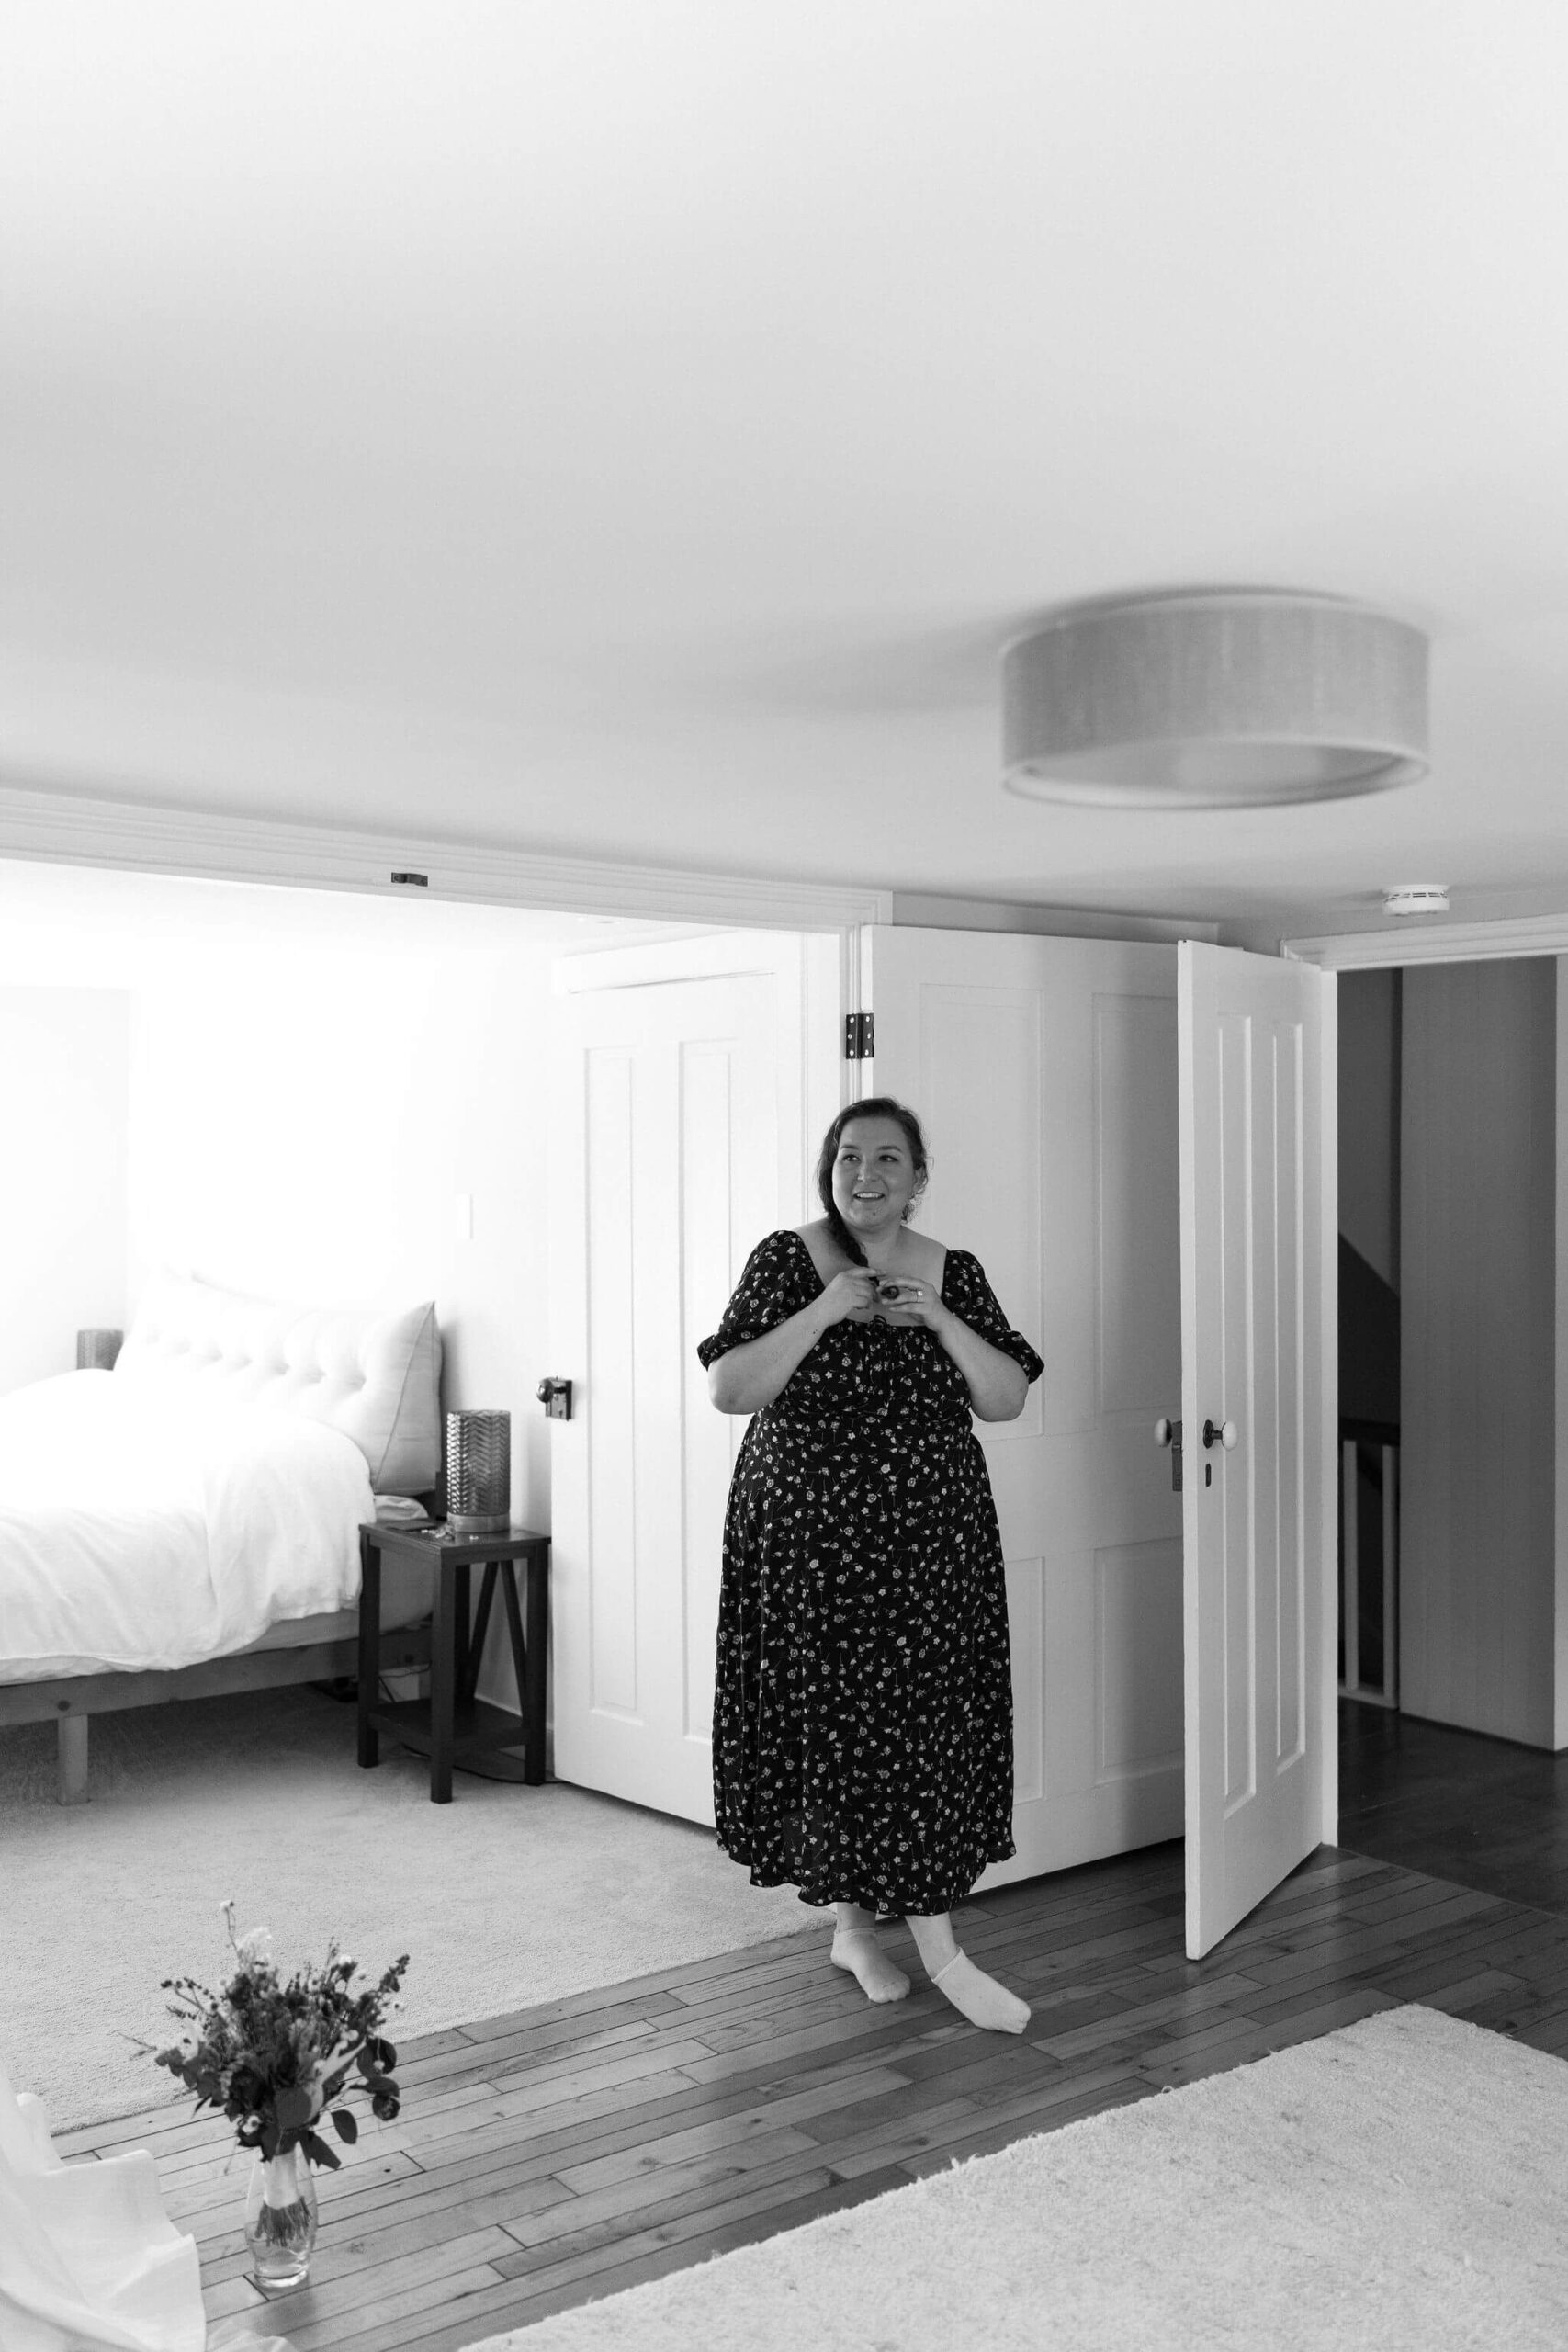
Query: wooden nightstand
[[453, 1727]]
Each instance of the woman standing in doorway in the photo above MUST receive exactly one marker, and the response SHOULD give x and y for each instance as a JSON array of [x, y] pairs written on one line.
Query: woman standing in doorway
[[863, 1721]]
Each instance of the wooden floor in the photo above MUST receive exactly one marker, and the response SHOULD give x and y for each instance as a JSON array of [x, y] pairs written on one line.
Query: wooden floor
[[564, 2152], [1485, 1812]]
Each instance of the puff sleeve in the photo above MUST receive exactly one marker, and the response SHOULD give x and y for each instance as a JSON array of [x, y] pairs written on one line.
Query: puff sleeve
[[769, 1290], [972, 1300]]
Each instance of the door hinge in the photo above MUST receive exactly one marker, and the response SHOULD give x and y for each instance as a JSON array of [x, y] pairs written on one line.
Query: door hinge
[[860, 1037]]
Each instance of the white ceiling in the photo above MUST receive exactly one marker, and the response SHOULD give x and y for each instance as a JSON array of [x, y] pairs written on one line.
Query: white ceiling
[[629, 428]]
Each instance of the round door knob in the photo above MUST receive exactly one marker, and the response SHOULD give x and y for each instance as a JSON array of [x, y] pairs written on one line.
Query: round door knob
[[1220, 1433], [1162, 1431]]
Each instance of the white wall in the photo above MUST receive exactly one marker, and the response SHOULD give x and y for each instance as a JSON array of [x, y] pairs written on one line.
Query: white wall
[[302, 1127], [1477, 1264], [63, 1063]]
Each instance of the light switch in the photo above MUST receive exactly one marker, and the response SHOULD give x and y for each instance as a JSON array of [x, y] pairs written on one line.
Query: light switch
[[465, 1219]]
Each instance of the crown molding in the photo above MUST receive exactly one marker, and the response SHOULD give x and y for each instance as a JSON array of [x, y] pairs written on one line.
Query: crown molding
[[63, 829], [1435, 941]]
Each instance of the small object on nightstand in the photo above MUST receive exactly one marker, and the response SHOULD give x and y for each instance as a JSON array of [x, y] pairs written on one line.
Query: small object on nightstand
[[400, 1510], [478, 1472], [97, 1351], [454, 1728]]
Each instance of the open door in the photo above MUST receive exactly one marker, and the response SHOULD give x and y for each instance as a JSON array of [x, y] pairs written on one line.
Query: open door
[[1258, 1403]]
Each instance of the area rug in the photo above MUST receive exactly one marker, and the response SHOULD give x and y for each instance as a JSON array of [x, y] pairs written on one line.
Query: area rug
[[1403, 2183], [507, 1896]]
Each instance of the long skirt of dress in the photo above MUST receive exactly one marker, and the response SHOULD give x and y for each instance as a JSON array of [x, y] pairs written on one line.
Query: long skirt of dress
[[863, 1723]]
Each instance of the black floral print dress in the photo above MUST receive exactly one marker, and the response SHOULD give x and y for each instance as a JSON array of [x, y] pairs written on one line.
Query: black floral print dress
[[862, 1718]]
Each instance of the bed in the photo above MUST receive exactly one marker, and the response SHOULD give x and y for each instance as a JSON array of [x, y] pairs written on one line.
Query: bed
[[189, 1523]]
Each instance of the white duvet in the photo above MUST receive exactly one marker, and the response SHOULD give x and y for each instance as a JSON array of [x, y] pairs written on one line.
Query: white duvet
[[143, 1529]]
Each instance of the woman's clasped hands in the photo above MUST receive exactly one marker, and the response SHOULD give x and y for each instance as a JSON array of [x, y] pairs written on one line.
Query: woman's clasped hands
[[903, 1299]]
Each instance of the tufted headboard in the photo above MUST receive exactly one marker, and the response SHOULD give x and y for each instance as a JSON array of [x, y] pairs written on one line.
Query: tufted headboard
[[371, 1374]]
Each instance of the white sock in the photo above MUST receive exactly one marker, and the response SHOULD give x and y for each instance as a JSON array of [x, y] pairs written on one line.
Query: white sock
[[856, 1949], [979, 1997]]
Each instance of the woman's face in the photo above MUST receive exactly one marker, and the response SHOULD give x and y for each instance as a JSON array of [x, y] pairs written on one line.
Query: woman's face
[[874, 1176]]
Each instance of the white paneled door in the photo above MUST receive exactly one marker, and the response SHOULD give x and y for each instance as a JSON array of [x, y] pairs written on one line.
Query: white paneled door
[[679, 1102], [1258, 1273], [1044, 1070]]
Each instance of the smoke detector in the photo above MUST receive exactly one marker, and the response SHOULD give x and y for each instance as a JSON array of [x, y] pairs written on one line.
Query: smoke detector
[[1416, 899]]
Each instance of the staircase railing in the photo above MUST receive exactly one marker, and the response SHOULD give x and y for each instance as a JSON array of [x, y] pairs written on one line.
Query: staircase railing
[[1368, 1562]]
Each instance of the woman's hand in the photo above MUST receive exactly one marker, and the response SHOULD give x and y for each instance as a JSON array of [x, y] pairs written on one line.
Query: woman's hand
[[998, 1387], [912, 1303], [850, 1291], [752, 1374]]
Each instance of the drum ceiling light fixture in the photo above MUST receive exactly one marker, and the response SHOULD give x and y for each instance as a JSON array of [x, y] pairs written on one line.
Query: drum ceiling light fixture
[[1214, 698]]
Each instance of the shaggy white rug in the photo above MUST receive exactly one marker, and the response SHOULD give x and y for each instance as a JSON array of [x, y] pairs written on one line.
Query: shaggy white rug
[[507, 1896], [1401, 2184]]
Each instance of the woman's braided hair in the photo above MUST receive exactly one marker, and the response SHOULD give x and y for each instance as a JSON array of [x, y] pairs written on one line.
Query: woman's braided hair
[[876, 1106]]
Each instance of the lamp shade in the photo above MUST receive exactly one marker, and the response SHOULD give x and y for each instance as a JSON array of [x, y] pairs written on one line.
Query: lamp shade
[[1214, 698]]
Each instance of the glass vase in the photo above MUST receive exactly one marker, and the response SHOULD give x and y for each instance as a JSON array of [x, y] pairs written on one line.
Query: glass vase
[[280, 2217]]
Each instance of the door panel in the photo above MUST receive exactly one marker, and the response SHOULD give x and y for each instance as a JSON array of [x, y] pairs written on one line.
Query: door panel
[[1258, 1320], [610, 1146], [1044, 1070], [1138, 1631], [1138, 1301], [665, 1171]]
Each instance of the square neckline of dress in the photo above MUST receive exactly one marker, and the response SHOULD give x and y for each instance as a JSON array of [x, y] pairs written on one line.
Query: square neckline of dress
[[805, 1247]]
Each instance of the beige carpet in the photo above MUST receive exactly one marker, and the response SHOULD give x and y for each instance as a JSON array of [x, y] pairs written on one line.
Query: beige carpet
[[1401, 2184], [507, 1896]]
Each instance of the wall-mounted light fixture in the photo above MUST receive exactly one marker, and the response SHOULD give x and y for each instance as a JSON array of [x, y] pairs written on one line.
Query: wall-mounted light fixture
[[1214, 698]]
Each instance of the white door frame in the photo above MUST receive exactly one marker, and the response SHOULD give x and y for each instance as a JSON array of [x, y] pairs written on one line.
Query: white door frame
[[67, 830], [1433, 942]]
